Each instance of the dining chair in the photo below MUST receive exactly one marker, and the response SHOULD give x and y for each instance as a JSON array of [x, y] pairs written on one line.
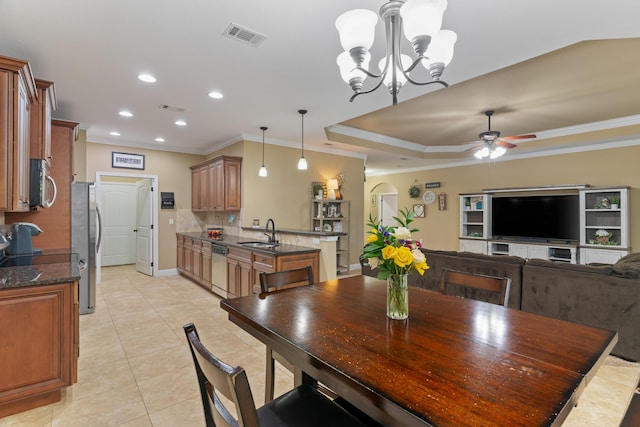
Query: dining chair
[[270, 282], [475, 286], [302, 406]]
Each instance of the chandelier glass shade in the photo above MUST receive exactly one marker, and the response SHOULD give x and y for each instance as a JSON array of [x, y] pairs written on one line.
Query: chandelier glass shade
[[263, 170], [420, 20], [302, 163]]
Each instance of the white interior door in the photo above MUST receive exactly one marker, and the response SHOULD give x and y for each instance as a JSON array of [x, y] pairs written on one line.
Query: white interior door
[[387, 209], [144, 226], [118, 209]]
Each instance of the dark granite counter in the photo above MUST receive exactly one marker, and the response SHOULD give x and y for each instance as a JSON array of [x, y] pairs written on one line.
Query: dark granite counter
[[300, 232], [45, 268], [234, 241]]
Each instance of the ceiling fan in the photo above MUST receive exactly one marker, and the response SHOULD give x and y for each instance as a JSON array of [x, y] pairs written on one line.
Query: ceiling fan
[[490, 143]]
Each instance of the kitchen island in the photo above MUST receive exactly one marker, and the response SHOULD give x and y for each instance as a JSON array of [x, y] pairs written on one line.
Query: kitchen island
[[39, 328], [200, 259]]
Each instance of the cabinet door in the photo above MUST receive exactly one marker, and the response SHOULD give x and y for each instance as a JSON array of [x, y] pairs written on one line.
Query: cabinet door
[[180, 253], [21, 161], [233, 289], [40, 121], [40, 356], [6, 144], [519, 250], [262, 263], [188, 255], [206, 265], [540, 252], [232, 185], [196, 259], [217, 193], [245, 276]]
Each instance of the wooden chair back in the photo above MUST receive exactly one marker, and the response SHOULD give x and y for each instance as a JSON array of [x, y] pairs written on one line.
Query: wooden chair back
[[270, 282], [475, 286], [215, 376]]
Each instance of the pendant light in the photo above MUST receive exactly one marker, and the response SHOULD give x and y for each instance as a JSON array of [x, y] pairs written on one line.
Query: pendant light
[[263, 170], [302, 163]]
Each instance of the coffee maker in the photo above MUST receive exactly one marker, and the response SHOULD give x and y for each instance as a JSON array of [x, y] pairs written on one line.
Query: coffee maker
[[21, 238]]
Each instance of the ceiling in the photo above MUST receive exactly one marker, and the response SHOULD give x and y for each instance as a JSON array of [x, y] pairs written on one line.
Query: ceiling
[[522, 59]]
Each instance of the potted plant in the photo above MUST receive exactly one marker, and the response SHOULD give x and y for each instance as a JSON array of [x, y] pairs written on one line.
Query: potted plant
[[414, 190], [317, 190], [614, 202]]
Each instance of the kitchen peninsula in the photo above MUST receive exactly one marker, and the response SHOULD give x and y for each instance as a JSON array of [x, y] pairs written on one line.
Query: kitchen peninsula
[[200, 258], [39, 312]]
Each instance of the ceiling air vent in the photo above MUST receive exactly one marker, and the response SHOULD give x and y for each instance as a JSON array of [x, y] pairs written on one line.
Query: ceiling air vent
[[244, 35], [170, 108]]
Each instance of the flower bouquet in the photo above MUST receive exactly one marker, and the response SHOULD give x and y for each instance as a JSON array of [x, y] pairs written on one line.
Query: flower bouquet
[[391, 250]]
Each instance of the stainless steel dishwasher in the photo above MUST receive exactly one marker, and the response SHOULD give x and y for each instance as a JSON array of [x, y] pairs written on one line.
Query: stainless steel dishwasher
[[219, 269]]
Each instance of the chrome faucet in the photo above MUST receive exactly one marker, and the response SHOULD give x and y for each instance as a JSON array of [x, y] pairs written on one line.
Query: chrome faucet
[[272, 236]]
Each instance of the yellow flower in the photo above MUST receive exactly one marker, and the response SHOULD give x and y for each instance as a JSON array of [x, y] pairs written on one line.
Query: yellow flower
[[372, 238], [421, 266], [403, 257], [388, 252]]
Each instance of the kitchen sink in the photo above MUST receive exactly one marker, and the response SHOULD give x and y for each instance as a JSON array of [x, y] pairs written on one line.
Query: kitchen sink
[[259, 245]]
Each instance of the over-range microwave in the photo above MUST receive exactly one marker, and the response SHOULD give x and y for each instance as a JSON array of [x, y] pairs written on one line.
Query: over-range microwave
[[42, 187]]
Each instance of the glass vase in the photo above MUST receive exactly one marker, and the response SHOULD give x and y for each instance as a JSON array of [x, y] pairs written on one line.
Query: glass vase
[[397, 297]]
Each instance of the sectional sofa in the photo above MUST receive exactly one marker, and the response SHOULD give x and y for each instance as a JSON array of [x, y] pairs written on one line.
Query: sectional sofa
[[604, 296]]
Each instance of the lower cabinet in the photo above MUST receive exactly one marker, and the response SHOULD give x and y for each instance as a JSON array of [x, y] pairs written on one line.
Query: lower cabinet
[[194, 260], [40, 335], [239, 272]]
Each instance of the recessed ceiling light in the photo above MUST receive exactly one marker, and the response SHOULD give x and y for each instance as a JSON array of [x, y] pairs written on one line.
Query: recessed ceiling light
[[147, 78], [159, 139], [125, 113], [114, 133], [180, 122], [216, 95]]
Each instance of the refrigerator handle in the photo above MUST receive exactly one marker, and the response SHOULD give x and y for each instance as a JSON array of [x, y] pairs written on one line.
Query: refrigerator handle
[[99, 217]]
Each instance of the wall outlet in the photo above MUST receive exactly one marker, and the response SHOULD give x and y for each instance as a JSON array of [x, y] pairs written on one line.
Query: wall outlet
[[170, 221]]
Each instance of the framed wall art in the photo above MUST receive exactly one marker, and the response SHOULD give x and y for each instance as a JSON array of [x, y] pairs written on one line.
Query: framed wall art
[[418, 211], [127, 160]]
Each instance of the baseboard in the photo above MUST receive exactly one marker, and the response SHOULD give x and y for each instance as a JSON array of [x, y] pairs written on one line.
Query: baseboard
[[167, 272]]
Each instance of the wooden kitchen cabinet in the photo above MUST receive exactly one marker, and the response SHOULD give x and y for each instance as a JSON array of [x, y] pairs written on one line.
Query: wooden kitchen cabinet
[[40, 121], [188, 243], [180, 253], [196, 260], [55, 221], [205, 277], [39, 329], [17, 93], [262, 263], [216, 184], [239, 272]]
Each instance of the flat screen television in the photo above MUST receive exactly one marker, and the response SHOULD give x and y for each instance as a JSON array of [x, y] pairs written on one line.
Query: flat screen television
[[536, 218]]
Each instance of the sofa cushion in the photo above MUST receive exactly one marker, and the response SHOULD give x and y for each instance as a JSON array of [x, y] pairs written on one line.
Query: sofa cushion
[[595, 269], [628, 266]]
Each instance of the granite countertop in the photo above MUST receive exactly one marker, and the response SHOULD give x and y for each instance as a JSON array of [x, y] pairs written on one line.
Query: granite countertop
[[234, 241], [46, 268], [300, 232]]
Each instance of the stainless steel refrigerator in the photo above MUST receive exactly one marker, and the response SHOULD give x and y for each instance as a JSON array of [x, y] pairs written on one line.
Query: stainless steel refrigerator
[[85, 240]]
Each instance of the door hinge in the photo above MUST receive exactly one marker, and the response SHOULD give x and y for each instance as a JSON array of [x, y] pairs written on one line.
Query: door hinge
[[150, 188], [152, 226], [151, 264]]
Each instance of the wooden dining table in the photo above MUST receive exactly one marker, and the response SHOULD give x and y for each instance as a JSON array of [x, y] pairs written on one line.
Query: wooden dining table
[[453, 362]]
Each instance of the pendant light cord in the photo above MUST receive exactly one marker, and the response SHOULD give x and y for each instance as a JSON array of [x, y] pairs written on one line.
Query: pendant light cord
[[302, 113]]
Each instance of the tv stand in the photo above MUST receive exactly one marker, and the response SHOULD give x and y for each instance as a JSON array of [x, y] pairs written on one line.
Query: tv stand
[[560, 252]]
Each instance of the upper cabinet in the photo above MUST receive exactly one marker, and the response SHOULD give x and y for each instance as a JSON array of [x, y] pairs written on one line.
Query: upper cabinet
[[41, 110], [17, 93], [216, 185]]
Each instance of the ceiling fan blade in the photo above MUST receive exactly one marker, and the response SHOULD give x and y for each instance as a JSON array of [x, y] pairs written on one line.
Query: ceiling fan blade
[[531, 135], [504, 144]]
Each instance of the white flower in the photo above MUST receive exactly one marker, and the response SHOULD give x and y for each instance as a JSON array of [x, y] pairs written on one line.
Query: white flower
[[402, 233], [373, 262], [418, 256], [602, 233]]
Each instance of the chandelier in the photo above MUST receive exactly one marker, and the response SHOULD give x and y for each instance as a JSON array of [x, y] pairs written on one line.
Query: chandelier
[[419, 19]]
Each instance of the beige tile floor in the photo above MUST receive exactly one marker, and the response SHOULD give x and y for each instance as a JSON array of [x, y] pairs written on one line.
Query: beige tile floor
[[135, 368]]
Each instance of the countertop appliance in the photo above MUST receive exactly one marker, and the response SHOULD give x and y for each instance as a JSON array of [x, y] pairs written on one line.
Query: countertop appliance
[[219, 270], [41, 194], [21, 238], [85, 240]]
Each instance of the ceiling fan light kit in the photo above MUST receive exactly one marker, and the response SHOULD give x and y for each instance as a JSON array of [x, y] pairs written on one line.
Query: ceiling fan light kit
[[490, 144], [420, 20]]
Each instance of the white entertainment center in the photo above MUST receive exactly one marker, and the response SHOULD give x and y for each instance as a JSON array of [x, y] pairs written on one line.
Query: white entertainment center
[[603, 219]]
